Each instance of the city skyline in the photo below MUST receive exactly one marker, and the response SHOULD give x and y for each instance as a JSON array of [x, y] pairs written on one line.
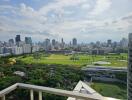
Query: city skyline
[[73, 41], [86, 20]]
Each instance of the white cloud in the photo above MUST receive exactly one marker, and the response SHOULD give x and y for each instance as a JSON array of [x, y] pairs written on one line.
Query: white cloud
[[36, 22], [85, 6], [101, 6], [60, 4]]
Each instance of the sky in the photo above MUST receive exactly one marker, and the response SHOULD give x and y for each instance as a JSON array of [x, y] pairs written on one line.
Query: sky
[[86, 20]]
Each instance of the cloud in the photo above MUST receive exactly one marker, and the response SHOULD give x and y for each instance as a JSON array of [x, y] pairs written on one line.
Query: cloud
[[59, 4], [62, 18], [85, 6], [127, 18], [27, 11], [6, 0], [101, 6]]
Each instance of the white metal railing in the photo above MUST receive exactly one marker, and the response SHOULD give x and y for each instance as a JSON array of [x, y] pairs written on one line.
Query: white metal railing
[[41, 89]]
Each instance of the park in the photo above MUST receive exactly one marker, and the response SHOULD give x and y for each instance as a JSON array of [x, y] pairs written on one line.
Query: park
[[78, 60], [60, 71]]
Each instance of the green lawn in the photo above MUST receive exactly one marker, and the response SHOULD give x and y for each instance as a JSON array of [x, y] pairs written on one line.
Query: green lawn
[[84, 59], [114, 90]]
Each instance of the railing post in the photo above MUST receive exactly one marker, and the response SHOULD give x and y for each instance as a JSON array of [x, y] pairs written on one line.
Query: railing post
[[40, 95], [31, 95], [3, 98]]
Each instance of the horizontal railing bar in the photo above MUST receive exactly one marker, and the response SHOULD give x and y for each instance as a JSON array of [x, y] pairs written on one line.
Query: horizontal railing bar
[[8, 90], [51, 91], [59, 92]]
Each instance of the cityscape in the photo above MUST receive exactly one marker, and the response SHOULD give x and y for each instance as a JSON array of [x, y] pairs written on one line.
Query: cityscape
[[104, 62], [17, 46], [65, 50]]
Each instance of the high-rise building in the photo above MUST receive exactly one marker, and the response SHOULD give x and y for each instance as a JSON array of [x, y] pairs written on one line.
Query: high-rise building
[[27, 48], [53, 42], [11, 42], [124, 42], [47, 44], [109, 42], [129, 75], [17, 50], [28, 40], [62, 41], [74, 41], [62, 44], [1, 50], [18, 38], [1, 44]]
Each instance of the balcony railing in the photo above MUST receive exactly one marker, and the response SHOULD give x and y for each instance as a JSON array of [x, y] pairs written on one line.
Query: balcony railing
[[41, 89]]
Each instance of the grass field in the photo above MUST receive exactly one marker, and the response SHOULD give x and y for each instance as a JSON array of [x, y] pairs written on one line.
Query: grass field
[[115, 60], [114, 90]]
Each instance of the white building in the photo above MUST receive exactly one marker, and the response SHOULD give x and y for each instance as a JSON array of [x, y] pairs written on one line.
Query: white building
[[26, 48], [21, 43], [17, 50]]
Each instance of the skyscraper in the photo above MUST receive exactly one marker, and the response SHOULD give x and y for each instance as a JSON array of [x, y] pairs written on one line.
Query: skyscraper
[[18, 38], [53, 42], [47, 44], [109, 42], [11, 42], [62, 41], [28, 40], [74, 41], [129, 75], [124, 42]]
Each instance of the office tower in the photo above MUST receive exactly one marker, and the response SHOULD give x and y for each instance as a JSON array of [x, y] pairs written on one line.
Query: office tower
[[28, 40], [47, 44], [109, 43], [70, 43], [62, 41], [1, 44], [27, 48], [47, 41], [11, 42], [53, 42], [74, 41], [5, 50], [129, 75], [18, 38], [1, 50], [98, 43], [115, 44], [17, 50], [6, 44], [124, 42]]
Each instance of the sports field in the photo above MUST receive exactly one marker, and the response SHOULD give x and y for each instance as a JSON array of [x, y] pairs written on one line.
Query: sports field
[[77, 60]]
